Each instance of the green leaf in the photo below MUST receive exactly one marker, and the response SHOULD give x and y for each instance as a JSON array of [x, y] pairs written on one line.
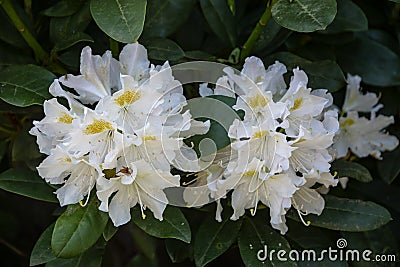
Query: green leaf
[[352, 169], [77, 229], [374, 62], [199, 55], [349, 18], [91, 258], [3, 149], [26, 183], [109, 231], [25, 85], [221, 20], [304, 15], [308, 237], [71, 40], [389, 167], [63, 8], [178, 251], [42, 252], [173, 225], [62, 28], [161, 16], [347, 215], [25, 150], [321, 74], [10, 55], [268, 35], [163, 49], [214, 238], [141, 260], [380, 241], [122, 20], [256, 235]]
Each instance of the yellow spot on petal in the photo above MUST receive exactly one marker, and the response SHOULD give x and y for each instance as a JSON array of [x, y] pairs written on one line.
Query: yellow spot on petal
[[148, 138], [143, 216], [66, 159], [259, 134], [98, 126], [250, 173], [81, 203], [347, 122], [65, 118], [127, 98], [297, 103], [258, 100]]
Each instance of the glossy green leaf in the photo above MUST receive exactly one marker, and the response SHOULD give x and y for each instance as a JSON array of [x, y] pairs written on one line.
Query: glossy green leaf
[[213, 239], [25, 151], [351, 169], [178, 251], [383, 65], [63, 8], [161, 16], [389, 167], [141, 260], [41, 252], [349, 18], [146, 244], [267, 36], [109, 231], [256, 235], [122, 20], [25, 85], [3, 149], [173, 225], [91, 258], [77, 229], [72, 40], [26, 183], [304, 15], [321, 74], [347, 215], [199, 55], [381, 241], [62, 28], [163, 49], [221, 20], [12, 55]]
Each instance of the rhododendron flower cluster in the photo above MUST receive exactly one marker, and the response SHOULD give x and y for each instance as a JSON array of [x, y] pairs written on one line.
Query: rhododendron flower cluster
[[124, 128]]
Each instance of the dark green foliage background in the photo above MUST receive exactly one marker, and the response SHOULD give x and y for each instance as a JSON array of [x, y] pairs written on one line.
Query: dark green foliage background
[[362, 38]]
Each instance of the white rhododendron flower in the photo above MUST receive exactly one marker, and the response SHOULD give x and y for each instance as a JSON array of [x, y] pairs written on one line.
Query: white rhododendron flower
[[284, 138], [124, 144], [135, 184], [362, 135], [124, 135]]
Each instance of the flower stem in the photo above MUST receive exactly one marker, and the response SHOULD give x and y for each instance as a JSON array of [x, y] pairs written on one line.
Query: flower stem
[[40, 53], [255, 34], [114, 47]]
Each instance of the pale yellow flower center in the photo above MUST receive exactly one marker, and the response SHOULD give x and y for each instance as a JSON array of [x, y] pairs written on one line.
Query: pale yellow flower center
[[258, 100], [98, 126], [259, 134], [250, 173], [297, 103], [65, 118], [127, 98], [148, 138], [346, 123]]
